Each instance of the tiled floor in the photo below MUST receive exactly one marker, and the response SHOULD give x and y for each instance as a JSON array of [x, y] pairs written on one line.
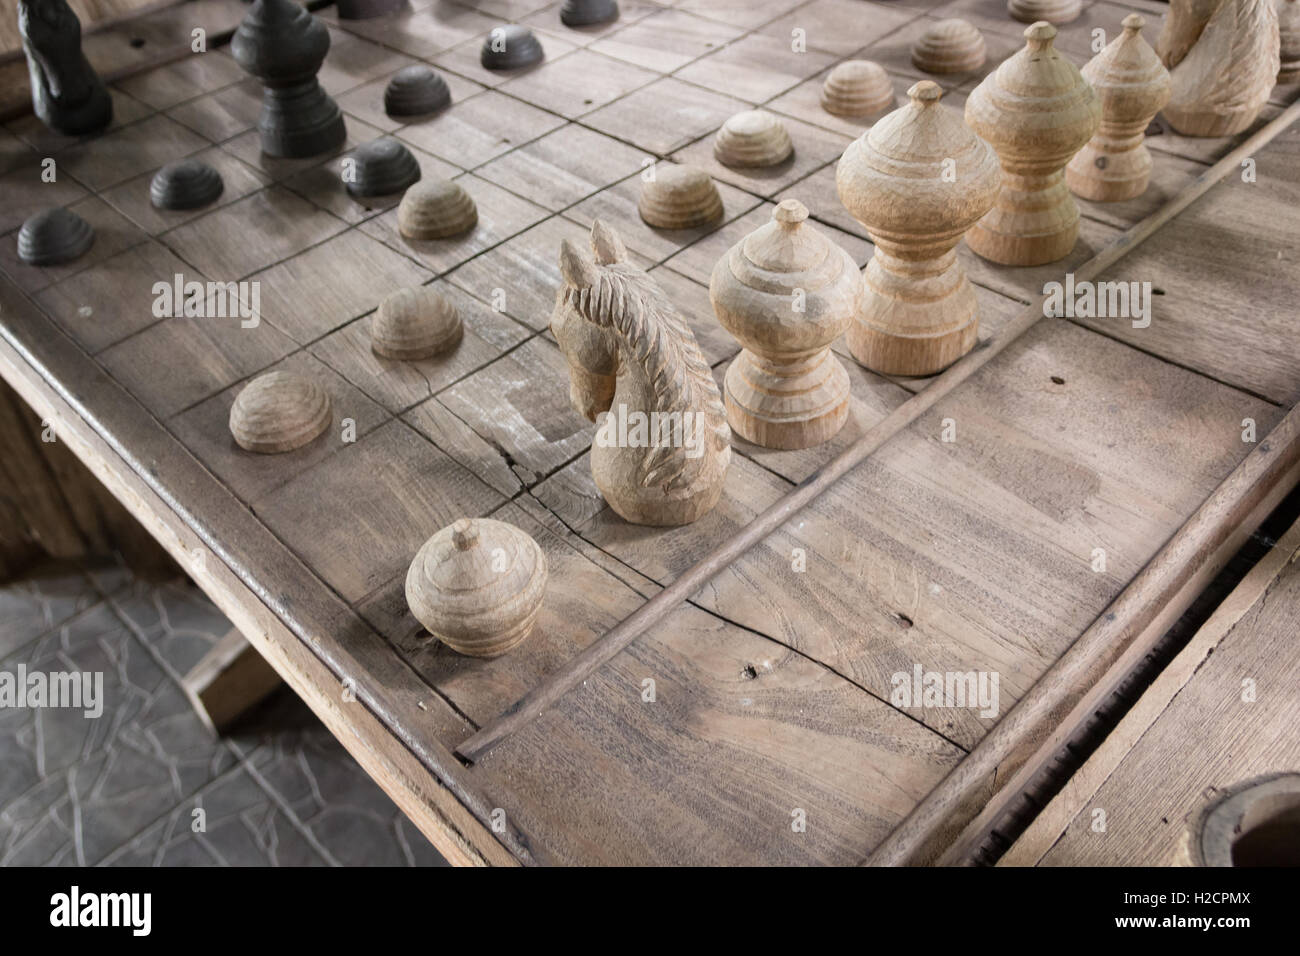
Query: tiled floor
[[144, 783]]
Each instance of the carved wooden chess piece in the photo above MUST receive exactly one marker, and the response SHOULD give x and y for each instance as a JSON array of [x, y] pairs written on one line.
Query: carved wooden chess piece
[[857, 88], [284, 46], [53, 237], [477, 586], [1288, 22], [752, 138], [413, 324], [786, 292], [950, 46], [67, 94], [1133, 85], [660, 455], [1182, 28], [917, 180], [1227, 76], [1036, 110], [1053, 11], [278, 412], [679, 197]]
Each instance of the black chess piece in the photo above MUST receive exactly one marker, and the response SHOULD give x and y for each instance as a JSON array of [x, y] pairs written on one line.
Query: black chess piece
[[67, 95], [381, 167], [366, 9], [284, 46], [587, 13], [53, 237], [185, 184], [415, 90], [510, 47]]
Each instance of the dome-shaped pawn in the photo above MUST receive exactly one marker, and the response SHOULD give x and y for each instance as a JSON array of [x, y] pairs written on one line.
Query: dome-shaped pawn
[[1036, 110], [477, 586], [1133, 85], [588, 13], [950, 46], [1224, 81], [1051, 11], [380, 168], [857, 88], [53, 237], [415, 91], [366, 9], [436, 209], [786, 292], [679, 197], [279, 411], [752, 138], [187, 184], [1288, 21], [917, 180], [413, 324], [510, 47]]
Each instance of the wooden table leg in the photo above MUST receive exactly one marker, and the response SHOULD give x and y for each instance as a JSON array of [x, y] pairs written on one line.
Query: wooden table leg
[[229, 681]]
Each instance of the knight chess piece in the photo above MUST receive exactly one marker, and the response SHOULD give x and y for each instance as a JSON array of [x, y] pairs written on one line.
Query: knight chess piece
[[185, 184], [1036, 110], [1182, 28], [53, 237], [786, 292], [283, 45], [950, 46], [1288, 21], [857, 88], [917, 180], [1225, 79], [662, 446], [67, 95], [477, 586], [1052, 11], [279, 411], [1133, 85]]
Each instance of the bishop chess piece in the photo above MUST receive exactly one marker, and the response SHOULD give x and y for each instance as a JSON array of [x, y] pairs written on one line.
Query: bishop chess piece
[[917, 180], [1133, 85], [284, 46], [1036, 110], [67, 95]]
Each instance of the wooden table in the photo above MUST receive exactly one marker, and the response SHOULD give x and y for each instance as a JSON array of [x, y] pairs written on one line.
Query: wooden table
[[771, 736]]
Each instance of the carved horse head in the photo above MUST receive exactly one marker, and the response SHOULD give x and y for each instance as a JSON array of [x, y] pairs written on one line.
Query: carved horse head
[[630, 351]]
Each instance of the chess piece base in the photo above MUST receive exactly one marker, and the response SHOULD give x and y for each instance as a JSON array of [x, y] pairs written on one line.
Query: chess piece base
[[1210, 123], [1109, 176], [300, 121], [787, 404], [1035, 221]]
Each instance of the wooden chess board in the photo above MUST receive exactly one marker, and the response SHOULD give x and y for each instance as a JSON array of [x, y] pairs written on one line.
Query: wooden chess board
[[772, 685]]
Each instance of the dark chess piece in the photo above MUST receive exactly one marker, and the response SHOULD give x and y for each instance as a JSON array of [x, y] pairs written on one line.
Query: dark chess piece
[[382, 167], [185, 184], [587, 13], [284, 46], [510, 47], [366, 9], [415, 90], [67, 95], [53, 237]]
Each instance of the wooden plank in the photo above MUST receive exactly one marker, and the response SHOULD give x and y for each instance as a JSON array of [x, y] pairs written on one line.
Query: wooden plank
[[1080, 792], [229, 681]]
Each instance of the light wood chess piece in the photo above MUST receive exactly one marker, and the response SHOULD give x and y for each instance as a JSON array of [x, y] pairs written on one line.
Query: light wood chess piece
[[1053, 11], [662, 446], [786, 292], [1227, 76], [917, 180], [1182, 28], [1288, 22], [1133, 85], [1037, 111]]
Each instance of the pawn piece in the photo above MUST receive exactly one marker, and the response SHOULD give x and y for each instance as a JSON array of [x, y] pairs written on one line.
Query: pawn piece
[[1036, 110], [366, 9], [186, 184], [414, 324], [1227, 76], [679, 197], [510, 47], [53, 237], [477, 586], [1288, 19], [415, 90], [283, 45], [752, 138], [279, 411], [588, 13], [1052, 11], [950, 46], [436, 209], [380, 168], [917, 180], [67, 95], [1133, 85], [1182, 28], [786, 389], [857, 88]]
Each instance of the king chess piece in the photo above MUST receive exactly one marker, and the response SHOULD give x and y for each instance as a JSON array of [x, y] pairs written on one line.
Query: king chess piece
[[284, 46], [67, 95]]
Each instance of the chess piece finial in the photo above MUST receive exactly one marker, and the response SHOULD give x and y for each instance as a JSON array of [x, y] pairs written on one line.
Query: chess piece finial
[[1133, 85], [1288, 21], [950, 46], [1224, 81], [662, 447], [413, 324], [1036, 110], [67, 95], [857, 88], [786, 292], [283, 45], [1052, 11], [679, 197], [53, 237], [477, 586], [917, 180], [1182, 28], [279, 411]]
